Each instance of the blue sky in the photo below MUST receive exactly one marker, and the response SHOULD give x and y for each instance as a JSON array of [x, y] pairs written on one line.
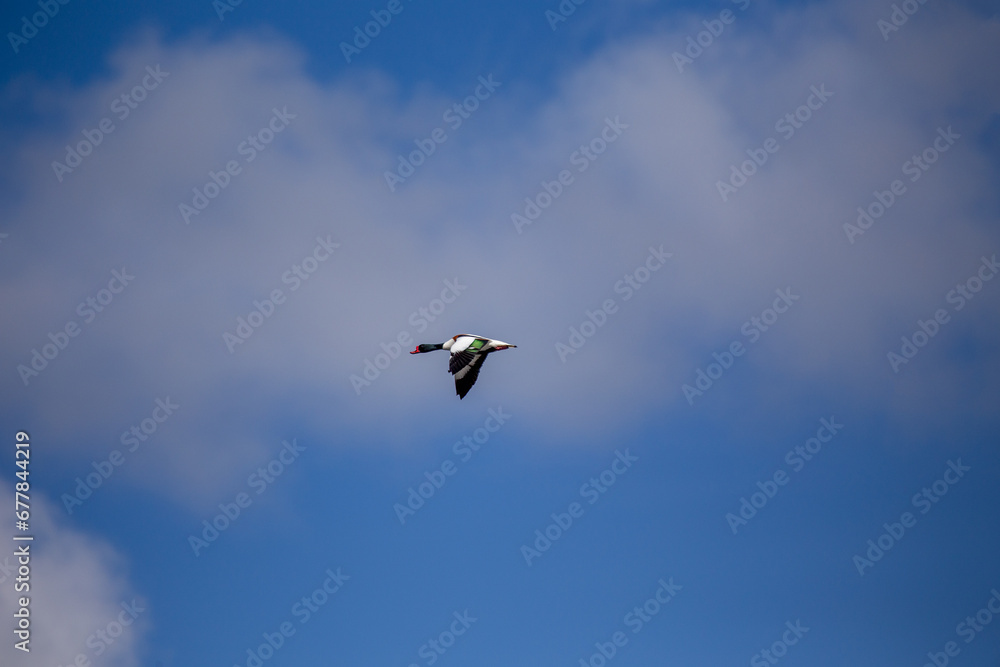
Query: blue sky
[[751, 417]]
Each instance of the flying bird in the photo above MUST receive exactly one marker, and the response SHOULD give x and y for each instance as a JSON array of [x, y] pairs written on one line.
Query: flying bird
[[468, 352]]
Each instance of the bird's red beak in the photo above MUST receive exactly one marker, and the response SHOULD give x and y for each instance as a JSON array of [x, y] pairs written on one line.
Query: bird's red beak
[[415, 350]]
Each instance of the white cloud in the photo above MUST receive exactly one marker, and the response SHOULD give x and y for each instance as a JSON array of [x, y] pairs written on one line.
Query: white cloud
[[79, 596], [656, 185]]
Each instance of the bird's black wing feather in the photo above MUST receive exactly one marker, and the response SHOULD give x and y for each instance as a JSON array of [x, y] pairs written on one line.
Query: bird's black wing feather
[[459, 360], [466, 375]]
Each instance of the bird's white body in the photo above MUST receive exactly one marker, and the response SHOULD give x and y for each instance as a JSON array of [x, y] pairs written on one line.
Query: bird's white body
[[461, 342]]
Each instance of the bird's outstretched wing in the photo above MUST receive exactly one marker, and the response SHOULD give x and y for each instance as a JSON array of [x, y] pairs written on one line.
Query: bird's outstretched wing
[[465, 367]]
